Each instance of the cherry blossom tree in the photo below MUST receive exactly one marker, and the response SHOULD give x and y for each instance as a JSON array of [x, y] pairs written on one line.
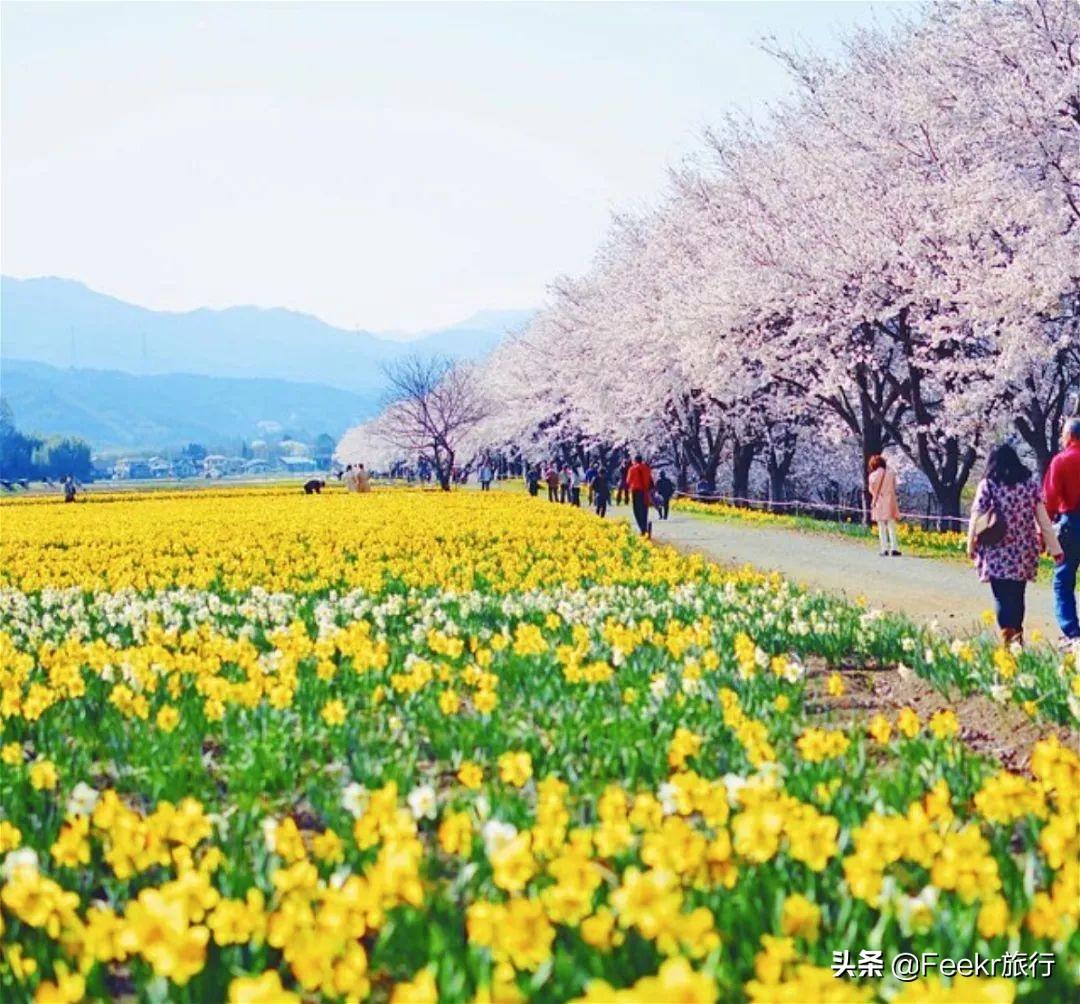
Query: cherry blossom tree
[[886, 260], [433, 406]]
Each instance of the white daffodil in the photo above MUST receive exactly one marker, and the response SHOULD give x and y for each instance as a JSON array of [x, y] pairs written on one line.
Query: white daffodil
[[23, 860], [422, 802], [354, 799], [669, 798], [497, 835], [82, 800], [734, 784], [269, 829]]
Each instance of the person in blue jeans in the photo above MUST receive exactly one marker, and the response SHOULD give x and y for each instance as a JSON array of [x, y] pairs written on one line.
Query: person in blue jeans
[[1061, 489]]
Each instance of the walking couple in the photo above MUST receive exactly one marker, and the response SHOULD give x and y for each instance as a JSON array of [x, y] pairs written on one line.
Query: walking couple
[[645, 491]]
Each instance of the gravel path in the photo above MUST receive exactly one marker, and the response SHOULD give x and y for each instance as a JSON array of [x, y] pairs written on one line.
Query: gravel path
[[928, 589]]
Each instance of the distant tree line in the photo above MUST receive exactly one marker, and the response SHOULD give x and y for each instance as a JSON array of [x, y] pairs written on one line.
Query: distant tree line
[[26, 456]]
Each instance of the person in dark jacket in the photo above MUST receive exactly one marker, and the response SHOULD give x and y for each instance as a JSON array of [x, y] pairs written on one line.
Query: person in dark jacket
[[552, 479], [601, 493], [622, 496], [665, 488]]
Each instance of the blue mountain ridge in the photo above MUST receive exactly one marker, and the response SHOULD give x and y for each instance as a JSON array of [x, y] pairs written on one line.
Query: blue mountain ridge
[[65, 324], [123, 375], [120, 411]]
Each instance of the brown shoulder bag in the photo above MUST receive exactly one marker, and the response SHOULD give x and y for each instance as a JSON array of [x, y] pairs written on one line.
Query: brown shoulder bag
[[990, 528]]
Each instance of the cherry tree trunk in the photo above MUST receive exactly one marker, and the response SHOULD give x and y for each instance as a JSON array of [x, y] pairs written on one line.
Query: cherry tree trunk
[[742, 459], [777, 486]]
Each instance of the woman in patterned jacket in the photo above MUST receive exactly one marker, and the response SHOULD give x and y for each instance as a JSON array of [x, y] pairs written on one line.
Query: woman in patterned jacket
[[1009, 490]]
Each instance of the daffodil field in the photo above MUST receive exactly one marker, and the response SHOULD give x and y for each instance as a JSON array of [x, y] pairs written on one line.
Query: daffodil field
[[258, 746]]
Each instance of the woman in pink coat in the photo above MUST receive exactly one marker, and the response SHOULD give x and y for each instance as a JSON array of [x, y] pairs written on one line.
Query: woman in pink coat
[[884, 509]]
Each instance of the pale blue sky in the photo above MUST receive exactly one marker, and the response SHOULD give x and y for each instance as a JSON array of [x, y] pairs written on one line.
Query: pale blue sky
[[381, 165]]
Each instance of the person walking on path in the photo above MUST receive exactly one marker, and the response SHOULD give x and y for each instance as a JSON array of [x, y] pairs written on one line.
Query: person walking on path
[[552, 484], [884, 508], [1061, 489], [567, 483], [486, 475], [601, 493], [1009, 494], [665, 488], [639, 483], [622, 496]]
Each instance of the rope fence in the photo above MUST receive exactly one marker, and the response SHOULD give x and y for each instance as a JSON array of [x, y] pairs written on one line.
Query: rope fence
[[828, 507]]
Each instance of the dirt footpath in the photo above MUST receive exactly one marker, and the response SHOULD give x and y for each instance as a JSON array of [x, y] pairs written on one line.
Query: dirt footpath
[[928, 589]]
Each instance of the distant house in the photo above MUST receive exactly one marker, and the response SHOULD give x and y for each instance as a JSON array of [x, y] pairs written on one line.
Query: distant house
[[297, 465], [130, 468], [185, 467], [216, 465], [256, 466], [160, 467], [294, 448]]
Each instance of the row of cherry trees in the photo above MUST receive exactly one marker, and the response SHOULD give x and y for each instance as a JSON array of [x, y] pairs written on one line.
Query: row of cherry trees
[[889, 261]]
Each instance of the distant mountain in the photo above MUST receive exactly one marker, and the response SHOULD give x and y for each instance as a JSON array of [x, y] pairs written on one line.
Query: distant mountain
[[121, 411], [474, 337], [64, 324], [457, 343], [494, 320], [484, 321]]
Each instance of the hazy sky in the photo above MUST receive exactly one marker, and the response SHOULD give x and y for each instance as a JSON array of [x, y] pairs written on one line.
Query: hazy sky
[[379, 165]]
